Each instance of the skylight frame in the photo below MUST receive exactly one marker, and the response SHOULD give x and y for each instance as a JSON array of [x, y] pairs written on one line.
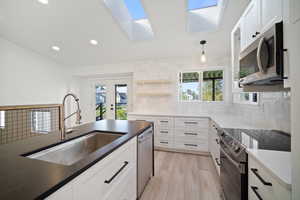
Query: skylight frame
[[201, 4], [135, 9]]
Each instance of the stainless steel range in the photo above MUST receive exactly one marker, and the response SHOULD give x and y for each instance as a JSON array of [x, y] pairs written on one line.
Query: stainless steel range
[[234, 158]]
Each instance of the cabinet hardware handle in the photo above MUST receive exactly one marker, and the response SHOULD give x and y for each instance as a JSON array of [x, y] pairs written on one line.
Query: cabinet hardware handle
[[164, 121], [164, 132], [253, 36], [117, 173], [191, 122], [191, 145], [190, 133], [254, 189], [255, 171], [164, 142], [217, 161], [257, 33], [217, 141]]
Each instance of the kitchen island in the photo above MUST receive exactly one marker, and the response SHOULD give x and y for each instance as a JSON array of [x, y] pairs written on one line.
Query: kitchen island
[[25, 178]]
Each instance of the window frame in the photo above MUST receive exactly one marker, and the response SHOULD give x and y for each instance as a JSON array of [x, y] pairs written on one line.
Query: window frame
[[200, 71]]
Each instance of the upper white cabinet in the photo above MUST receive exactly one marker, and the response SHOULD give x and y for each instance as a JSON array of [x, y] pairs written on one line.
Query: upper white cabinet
[[259, 16], [271, 12], [250, 24]]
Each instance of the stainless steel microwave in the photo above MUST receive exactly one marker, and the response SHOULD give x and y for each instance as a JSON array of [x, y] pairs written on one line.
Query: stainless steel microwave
[[262, 62]]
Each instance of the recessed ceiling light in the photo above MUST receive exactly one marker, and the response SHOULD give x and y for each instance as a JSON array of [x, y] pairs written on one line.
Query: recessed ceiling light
[[55, 48], [94, 42], [45, 2]]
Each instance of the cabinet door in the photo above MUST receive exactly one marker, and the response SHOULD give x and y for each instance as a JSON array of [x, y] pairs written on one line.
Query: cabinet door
[[65, 193], [271, 12], [250, 27]]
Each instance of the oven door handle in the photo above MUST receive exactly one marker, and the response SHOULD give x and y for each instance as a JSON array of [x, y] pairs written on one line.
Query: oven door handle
[[236, 164]]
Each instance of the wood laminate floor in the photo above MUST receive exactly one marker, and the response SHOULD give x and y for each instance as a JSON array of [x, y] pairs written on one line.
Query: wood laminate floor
[[181, 176]]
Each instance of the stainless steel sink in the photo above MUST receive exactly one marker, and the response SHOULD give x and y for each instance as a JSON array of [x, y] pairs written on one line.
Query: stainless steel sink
[[73, 151]]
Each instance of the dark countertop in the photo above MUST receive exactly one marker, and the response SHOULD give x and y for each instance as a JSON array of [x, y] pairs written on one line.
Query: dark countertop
[[261, 139], [24, 178]]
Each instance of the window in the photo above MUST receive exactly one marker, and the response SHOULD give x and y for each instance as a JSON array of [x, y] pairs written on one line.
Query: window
[[135, 9], [41, 121], [246, 98], [201, 86], [2, 119], [199, 4]]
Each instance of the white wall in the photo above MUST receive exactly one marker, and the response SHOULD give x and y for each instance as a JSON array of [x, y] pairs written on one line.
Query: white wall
[[29, 78], [293, 45], [272, 104]]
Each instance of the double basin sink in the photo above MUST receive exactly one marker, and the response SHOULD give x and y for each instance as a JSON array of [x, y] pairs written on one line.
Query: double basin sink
[[74, 150]]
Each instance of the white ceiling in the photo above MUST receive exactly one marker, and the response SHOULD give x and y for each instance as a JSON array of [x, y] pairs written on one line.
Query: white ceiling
[[70, 24]]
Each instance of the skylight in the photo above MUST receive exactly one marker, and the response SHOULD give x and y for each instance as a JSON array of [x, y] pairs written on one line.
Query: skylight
[[135, 9], [199, 4]]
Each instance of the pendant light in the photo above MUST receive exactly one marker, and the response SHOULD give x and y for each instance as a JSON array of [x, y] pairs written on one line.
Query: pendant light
[[203, 56]]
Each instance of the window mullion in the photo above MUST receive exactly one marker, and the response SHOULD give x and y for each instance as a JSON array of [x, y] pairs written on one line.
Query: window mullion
[[201, 85]]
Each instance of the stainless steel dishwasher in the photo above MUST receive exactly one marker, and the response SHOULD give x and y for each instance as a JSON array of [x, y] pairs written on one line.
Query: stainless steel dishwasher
[[145, 159]]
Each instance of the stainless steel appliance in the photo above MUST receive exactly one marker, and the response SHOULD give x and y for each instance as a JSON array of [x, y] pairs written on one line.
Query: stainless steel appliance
[[145, 159], [234, 158], [234, 169], [262, 62]]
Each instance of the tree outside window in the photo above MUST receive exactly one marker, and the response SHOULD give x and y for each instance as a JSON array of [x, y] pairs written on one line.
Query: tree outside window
[[201, 86]]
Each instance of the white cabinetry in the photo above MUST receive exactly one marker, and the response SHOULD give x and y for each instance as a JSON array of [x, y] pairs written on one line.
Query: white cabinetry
[[259, 184], [271, 12], [214, 146], [250, 24], [113, 178], [179, 133], [259, 16]]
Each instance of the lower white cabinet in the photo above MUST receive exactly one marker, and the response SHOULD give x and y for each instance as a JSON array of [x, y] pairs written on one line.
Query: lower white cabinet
[[113, 178], [180, 133], [263, 185]]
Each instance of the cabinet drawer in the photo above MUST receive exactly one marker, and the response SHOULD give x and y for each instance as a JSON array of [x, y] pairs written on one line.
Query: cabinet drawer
[[188, 124], [191, 135], [98, 180], [191, 145], [164, 123], [161, 132], [165, 142], [125, 189], [258, 174]]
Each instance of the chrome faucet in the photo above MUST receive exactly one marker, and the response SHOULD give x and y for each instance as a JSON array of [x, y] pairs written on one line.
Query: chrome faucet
[[65, 131]]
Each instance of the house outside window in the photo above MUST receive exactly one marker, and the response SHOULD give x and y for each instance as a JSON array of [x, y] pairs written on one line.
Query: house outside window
[[246, 98], [206, 86], [41, 122], [2, 119]]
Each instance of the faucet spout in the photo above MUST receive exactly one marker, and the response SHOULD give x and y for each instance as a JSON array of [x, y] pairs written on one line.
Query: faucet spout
[[64, 131]]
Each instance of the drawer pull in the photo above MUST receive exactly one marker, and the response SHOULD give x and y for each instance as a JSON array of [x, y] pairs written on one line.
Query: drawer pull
[[117, 173], [164, 121], [164, 132], [217, 141], [255, 171], [190, 133], [164, 142], [218, 162], [191, 145], [254, 189], [191, 122]]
